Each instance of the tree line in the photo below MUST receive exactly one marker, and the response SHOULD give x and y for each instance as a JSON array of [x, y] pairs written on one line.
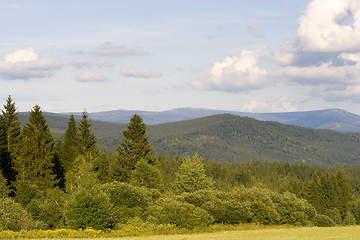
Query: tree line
[[67, 182]]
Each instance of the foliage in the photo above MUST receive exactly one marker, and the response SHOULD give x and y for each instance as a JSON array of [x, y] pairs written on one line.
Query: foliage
[[146, 175], [170, 211], [86, 205], [354, 208], [34, 159], [128, 200], [134, 148], [4, 189], [321, 220], [9, 138], [69, 147], [86, 140], [13, 216], [191, 176], [293, 210], [349, 219]]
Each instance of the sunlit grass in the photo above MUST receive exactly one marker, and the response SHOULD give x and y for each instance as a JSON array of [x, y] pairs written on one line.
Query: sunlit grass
[[268, 233]]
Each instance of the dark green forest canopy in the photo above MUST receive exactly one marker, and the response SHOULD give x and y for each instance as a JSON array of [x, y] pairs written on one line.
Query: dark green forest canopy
[[229, 138]]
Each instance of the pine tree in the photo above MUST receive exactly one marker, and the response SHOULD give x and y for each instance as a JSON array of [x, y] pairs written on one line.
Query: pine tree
[[33, 161], [135, 147], [86, 143], [9, 138], [69, 149]]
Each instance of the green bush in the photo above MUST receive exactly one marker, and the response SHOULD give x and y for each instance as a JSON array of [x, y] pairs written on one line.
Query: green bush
[[87, 208], [146, 175], [354, 207], [334, 214], [51, 209], [13, 216], [26, 192], [126, 195], [229, 211], [129, 201], [220, 205], [263, 209], [293, 210], [321, 220], [170, 211], [349, 219]]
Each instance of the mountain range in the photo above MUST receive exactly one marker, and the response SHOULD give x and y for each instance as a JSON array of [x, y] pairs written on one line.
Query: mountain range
[[333, 119]]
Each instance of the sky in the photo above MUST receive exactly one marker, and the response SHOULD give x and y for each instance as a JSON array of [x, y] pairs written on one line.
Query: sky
[[253, 56]]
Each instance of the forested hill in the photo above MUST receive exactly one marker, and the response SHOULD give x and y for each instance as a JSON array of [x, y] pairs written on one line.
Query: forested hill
[[230, 138]]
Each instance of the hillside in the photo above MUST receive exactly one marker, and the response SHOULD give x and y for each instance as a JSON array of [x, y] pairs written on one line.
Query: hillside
[[333, 119], [229, 138]]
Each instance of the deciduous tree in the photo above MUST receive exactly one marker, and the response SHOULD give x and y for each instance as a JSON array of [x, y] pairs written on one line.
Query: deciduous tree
[[191, 176]]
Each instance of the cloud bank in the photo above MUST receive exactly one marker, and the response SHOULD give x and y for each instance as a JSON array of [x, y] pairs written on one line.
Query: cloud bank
[[324, 52]]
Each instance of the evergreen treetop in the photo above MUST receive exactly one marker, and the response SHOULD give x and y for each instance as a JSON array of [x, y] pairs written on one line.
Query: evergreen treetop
[[69, 147], [9, 138], [135, 147], [34, 159], [86, 138]]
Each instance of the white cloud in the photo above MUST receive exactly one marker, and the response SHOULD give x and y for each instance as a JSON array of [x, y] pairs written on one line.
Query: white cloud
[[25, 64], [140, 73], [235, 74], [91, 77], [323, 27]]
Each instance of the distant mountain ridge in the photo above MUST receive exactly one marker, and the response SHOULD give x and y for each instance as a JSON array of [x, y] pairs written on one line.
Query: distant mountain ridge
[[333, 119]]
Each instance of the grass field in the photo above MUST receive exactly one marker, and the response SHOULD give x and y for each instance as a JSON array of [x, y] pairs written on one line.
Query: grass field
[[343, 233]]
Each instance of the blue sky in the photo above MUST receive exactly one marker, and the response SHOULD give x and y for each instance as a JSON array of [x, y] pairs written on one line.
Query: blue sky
[[256, 56]]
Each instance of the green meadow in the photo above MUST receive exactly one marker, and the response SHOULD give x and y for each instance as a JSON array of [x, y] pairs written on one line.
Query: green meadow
[[271, 233]]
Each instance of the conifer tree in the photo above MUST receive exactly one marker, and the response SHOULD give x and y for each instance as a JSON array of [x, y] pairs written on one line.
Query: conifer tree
[[9, 138], [33, 161], [86, 143], [135, 147], [69, 149]]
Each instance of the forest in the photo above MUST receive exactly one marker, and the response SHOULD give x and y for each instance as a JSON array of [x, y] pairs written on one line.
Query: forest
[[67, 182]]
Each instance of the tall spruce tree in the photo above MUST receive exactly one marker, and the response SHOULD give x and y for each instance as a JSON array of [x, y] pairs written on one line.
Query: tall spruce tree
[[33, 161], [86, 142], [9, 138], [69, 149], [135, 147]]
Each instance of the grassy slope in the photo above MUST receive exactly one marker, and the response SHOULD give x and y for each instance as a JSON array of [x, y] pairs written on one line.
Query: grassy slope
[[229, 138]]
